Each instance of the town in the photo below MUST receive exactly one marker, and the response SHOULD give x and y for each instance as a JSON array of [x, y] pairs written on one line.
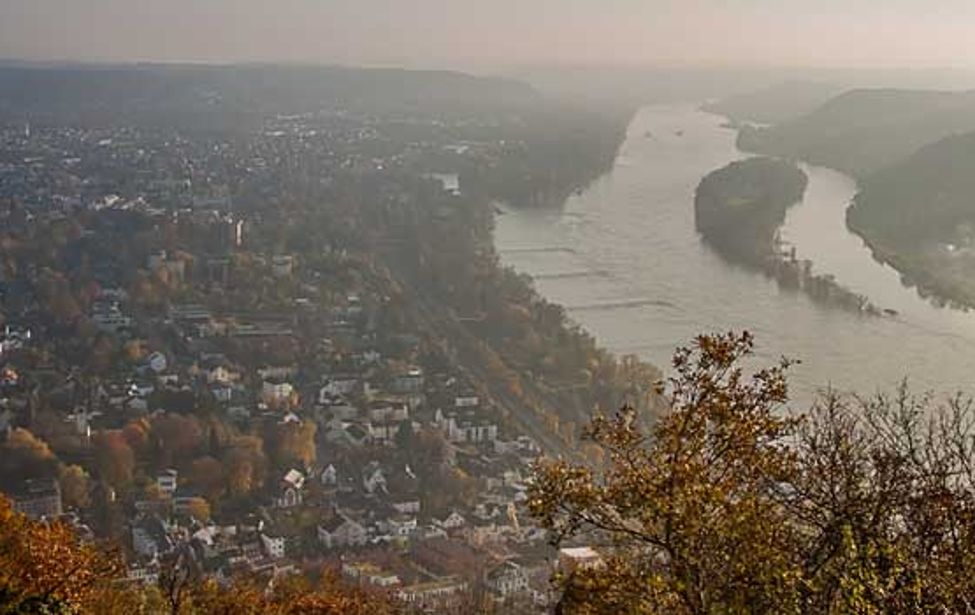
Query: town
[[288, 348]]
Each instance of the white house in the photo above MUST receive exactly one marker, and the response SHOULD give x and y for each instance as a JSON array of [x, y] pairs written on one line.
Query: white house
[[329, 476], [290, 492], [507, 580], [373, 479], [340, 531], [167, 481], [453, 521], [275, 392], [366, 573], [273, 546]]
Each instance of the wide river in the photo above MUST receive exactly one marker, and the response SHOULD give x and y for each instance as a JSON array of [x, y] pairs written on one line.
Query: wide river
[[624, 259]]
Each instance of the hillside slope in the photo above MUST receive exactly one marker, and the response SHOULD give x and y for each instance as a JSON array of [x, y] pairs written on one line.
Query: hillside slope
[[862, 131], [919, 216], [164, 92]]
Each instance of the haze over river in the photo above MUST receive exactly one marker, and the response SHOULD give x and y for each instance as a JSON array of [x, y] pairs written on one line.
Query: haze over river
[[624, 259]]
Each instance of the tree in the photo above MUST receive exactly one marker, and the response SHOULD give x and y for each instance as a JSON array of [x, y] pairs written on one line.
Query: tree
[[206, 474], [729, 503], [45, 568], [176, 438], [688, 511], [199, 509], [136, 434], [405, 436], [291, 596], [114, 458], [75, 487], [24, 455], [294, 444], [245, 465]]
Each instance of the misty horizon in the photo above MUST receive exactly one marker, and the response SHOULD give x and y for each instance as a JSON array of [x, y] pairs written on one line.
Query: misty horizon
[[497, 36]]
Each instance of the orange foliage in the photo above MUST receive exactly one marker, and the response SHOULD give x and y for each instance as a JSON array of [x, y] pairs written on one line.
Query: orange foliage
[[45, 568]]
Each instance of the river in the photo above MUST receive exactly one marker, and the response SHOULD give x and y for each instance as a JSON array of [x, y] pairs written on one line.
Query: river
[[624, 259]]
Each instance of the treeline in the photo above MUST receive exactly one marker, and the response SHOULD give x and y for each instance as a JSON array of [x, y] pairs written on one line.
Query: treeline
[[557, 151], [102, 473], [211, 97]]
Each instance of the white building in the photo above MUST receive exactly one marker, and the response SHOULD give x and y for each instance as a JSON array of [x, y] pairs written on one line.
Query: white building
[[167, 481]]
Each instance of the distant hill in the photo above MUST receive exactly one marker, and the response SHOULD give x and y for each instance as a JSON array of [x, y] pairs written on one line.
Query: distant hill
[[924, 197], [919, 216], [776, 103], [862, 131], [173, 92]]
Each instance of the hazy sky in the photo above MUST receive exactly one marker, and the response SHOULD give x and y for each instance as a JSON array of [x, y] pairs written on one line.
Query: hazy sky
[[496, 33]]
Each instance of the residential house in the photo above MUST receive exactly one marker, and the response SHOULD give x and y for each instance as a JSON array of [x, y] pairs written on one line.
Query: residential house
[[366, 573], [150, 537], [329, 476], [276, 392], [373, 479], [507, 580], [39, 498], [341, 531], [467, 425], [452, 521], [273, 546], [167, 481], [387, 411], [290, 489], [440, 594], [573, 558]]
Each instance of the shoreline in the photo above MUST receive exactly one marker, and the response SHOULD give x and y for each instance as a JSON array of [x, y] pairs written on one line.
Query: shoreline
[[912, 276]]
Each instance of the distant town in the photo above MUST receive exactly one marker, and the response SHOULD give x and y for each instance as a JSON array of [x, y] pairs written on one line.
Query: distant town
[[288, 347]]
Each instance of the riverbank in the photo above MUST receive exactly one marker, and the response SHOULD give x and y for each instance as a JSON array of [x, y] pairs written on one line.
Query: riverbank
[[916, 272]]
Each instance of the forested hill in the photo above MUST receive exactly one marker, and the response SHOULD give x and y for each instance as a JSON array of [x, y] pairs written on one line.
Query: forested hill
[[919, 216], [165, 92], [924, 197], [862, 131]]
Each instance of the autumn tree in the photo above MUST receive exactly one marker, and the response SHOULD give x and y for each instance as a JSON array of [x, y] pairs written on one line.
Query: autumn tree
[[687, 510], [294, 443], [114, 458], [24, 455], [136, 434], [290, 596], [207, 475], [175, 438], [75, 488], [45, 568], [245, 465], [885, 494], [729, 503]]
